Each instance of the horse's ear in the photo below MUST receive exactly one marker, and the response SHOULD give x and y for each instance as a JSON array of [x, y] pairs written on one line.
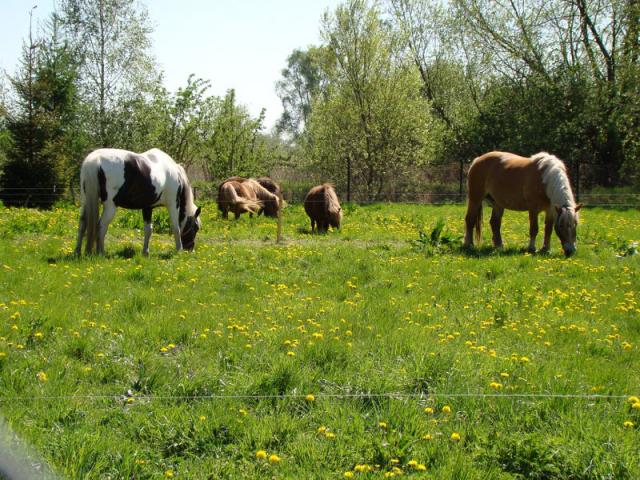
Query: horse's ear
[[197, 212], [578, 207]]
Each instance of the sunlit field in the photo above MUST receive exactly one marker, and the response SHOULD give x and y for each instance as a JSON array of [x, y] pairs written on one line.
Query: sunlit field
[[377, 351]]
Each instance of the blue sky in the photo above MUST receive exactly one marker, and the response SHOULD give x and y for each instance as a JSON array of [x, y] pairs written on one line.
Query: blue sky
[[241, 44]]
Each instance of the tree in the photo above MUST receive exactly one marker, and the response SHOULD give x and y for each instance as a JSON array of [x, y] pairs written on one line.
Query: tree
[[302, 81], [235, 148], [41, 123], [372, 123], [112, 40], [545, 43]]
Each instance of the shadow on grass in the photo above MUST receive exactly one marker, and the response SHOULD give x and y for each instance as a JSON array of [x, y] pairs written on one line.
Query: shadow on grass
[[127, 252], [489, 251]]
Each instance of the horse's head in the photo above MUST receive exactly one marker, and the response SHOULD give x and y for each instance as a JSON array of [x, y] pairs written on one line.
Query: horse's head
[[565, 226], [189, 230], [271, 205], [335, 217]]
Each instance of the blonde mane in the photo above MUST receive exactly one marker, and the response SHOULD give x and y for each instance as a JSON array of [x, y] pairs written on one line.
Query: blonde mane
[[331, 199], [555, 179]]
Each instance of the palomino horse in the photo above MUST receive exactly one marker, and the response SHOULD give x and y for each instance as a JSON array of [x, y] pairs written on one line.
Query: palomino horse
[[240, 195], [535, 184], [139, 181], [323, 207]]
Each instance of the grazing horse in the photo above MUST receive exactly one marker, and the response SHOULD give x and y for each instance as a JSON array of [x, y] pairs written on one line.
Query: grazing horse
[[535, 184], [253, 196], [322, 205], [139, 181]]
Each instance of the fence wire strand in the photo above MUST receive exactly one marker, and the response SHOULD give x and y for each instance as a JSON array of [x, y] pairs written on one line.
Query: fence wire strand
[[301, 396]]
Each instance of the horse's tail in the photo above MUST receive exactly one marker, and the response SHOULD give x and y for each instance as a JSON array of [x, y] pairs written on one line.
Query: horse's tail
[[90, 200], [231, 197], [478, 226]]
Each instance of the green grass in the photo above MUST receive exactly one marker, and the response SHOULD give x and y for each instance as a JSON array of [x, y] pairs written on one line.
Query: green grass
[[192, 363]]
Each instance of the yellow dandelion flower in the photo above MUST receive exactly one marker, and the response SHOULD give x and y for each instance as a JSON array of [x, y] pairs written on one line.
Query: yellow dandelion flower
[[168, 473], [42, 377], [633, 399], [421, 467], [495, 385], [322, 429], [310, 397], [412, 463], [446, 409], [261, 454], [428, 410], [382, 425], [273, 458], [348, 475], [202, 418], [455, 436], [428, 436], [636, 406], [629, 424]]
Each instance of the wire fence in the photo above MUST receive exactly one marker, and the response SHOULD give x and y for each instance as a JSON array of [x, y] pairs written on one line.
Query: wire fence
[[331, 396], [35, 195]]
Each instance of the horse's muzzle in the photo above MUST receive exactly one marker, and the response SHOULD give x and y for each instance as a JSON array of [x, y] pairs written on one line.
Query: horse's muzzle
[[569, 249]]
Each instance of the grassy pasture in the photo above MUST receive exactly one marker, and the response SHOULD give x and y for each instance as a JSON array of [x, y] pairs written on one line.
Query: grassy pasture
[[200, 365]]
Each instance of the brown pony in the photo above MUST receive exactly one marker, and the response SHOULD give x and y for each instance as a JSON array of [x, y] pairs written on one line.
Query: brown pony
[[236, 197], [535, 184], [264, 191], [323, 207]]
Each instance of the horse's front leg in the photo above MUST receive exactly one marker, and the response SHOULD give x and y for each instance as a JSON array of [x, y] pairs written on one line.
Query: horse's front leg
[[474, 210], [496, 224], [533, 230], [108, 213], [548, 228], [175, 227], [148, 229]]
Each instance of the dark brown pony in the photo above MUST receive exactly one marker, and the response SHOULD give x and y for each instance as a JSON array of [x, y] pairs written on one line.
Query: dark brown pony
[[323, 207], [264, 191], [536, 184]]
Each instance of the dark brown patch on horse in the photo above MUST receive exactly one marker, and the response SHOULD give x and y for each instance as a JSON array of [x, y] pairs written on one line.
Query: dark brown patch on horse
[[323, 208], [137, 191], [102, 182]]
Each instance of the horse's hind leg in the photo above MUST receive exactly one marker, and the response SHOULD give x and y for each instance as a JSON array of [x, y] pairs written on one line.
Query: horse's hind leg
[[533, 231], [108, 212], [474, 209], [82, 227], [496, 223], [148, 229]]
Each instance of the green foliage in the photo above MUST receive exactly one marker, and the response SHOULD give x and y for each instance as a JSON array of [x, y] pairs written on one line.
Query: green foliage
[[438, 241]]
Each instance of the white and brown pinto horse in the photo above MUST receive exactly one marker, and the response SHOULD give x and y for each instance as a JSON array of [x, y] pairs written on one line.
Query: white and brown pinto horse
[[139, 181], [536, 184]]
